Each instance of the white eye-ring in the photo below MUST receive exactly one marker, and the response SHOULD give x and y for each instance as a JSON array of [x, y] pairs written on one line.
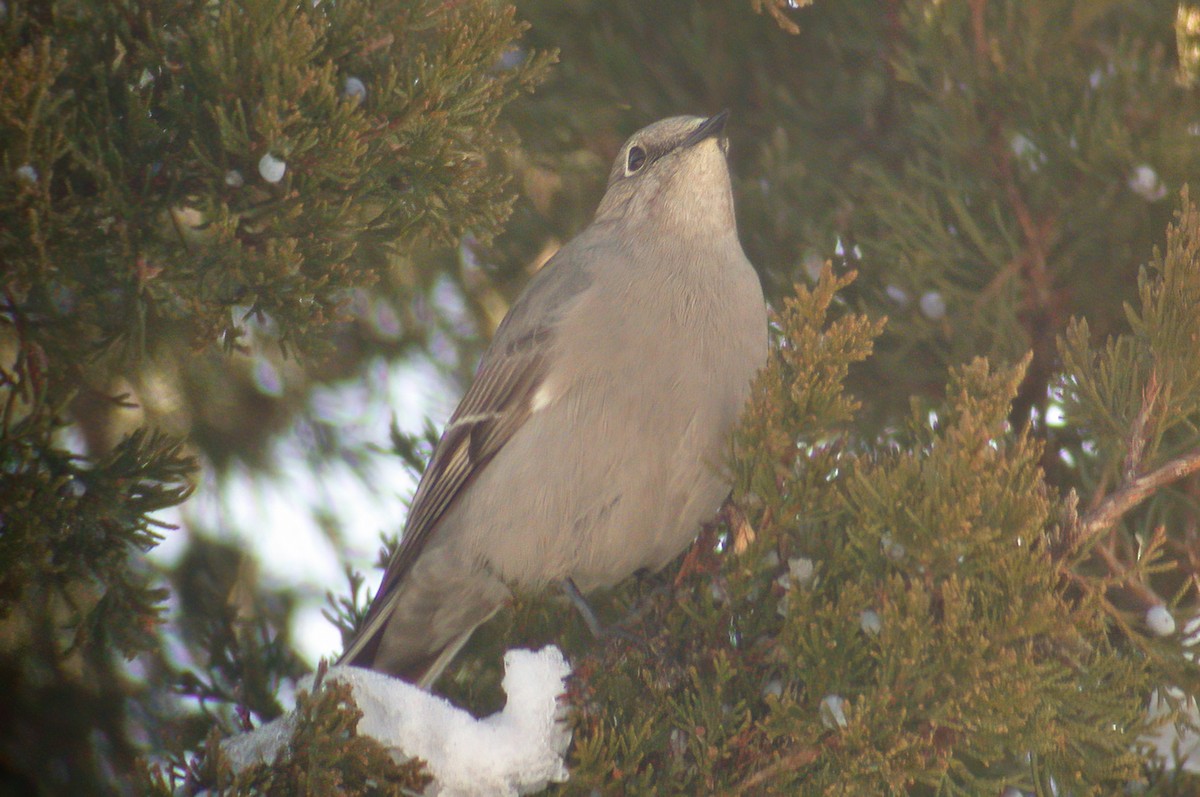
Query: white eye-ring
[[635, 161]]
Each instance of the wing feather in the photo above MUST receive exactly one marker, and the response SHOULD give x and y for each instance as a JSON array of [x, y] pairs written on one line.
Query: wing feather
[[498, 403]]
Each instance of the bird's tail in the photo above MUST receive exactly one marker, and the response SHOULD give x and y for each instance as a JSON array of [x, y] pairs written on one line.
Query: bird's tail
[[417, 626]]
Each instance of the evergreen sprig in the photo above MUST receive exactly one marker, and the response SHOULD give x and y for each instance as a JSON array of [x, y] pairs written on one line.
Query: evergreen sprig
[[172, 173]]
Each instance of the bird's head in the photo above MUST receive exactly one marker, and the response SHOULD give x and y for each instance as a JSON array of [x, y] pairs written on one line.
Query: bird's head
[[673, 174]]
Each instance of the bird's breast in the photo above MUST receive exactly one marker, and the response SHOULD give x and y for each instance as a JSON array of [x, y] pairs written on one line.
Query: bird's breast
[[621, 460]]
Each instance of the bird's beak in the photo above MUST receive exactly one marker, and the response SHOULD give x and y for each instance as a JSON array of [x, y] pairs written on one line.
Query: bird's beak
[[711, 127]]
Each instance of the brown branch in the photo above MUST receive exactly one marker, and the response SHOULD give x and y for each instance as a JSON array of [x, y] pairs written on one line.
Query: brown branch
[[1104, 516], [1041, 316], [1137, 433], [979, 28], [1112, 611], [774, 8], [789, 763], [1011, 270], [1146, 597], [1039, 235]]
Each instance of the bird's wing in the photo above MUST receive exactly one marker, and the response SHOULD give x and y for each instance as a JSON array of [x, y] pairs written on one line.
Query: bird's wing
[[497, 404]]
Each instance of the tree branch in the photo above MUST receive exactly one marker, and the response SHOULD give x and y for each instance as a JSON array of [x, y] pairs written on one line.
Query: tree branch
[[789, 763], [1080, 530]]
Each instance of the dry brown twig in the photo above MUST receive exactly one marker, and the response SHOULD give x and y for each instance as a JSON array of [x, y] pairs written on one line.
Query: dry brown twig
[[1078, 530], [1124, 574], [775, 10], [1138, 433], [789, 763], [1081, 530]]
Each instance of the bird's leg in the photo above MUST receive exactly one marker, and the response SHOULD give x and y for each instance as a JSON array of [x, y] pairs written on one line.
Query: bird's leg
[[583, 607], [598, 629]]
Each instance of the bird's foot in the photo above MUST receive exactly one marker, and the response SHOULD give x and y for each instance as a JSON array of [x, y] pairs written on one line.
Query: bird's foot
[[599, 630]]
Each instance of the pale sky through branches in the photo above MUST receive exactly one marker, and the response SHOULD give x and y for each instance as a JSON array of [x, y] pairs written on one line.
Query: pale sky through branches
[[275, 516]]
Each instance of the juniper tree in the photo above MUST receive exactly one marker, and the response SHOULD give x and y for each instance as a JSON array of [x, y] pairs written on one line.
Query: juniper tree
[[173, 170], [960, 551]]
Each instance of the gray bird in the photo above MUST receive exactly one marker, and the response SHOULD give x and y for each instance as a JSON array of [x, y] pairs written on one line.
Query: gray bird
[[590, 444]]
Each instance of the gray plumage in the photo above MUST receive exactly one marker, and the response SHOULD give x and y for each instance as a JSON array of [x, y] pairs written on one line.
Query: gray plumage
[[590, 444]]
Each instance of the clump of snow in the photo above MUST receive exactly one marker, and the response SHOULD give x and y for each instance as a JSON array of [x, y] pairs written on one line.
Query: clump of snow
[[813, 265], [870, 622], [1159, 620], [515, 751], [1177, 745], [1028, 152], [1145, 183], [833, 712], [801, 573], [933, 305], [271, 168], [891, 549], [897, 294], [354, 90], [259, 746]]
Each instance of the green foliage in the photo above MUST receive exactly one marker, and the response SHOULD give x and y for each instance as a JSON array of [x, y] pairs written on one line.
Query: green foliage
[[684, 712], [1134, 401], [1145, 383], [1023, 128], [916, 592], [979, 660], [97, 516], [788, 452], [147, 135], [948, 531], [325, 755], [141, 233], [75, 598], [922, 586]]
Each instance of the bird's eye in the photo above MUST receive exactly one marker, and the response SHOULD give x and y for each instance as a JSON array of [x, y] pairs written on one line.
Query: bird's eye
[[637, 159]]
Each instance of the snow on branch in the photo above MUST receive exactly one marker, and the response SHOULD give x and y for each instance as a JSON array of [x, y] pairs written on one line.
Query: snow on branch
[[518, 750]]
